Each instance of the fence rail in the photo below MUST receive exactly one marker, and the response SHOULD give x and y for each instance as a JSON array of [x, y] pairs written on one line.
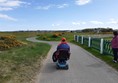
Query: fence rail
[[102, 45]]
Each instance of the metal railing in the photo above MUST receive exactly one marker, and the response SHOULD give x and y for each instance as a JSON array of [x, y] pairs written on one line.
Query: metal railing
[[102, 45]]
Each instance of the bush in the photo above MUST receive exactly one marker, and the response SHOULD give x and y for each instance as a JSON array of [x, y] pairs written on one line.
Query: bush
[[55, 35], [44, 37], [9, 41]]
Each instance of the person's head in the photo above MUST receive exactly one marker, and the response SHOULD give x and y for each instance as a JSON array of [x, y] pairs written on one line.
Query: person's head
[[115, 32], [63, 39]]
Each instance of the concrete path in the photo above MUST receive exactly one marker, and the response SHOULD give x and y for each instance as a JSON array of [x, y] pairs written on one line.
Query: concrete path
[[83, 68]]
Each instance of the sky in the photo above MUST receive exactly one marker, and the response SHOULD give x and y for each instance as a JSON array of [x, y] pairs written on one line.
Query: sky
[[18, 15]]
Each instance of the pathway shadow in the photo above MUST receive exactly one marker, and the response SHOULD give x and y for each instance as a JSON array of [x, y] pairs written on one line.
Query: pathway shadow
[[49, 68]]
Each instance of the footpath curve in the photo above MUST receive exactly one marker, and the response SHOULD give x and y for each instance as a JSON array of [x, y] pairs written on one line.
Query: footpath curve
[[83, 68]]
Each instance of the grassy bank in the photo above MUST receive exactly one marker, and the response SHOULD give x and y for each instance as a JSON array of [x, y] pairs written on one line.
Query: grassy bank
[[21, 64]]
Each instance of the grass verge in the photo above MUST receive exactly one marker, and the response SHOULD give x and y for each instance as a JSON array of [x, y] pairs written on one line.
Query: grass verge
[[20, 65], [106, 58], [51, 36]]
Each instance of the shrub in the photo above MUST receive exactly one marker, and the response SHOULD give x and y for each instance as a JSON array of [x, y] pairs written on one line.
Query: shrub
[[44, 37], [9, 41], [55, 35]]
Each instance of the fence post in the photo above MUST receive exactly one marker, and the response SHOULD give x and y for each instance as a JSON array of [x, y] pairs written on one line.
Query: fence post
[[101, 46], [89, 42], [82, 40], [74, 37], [77, 38]]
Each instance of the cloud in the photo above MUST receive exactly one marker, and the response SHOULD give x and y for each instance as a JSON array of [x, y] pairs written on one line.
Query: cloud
[[83, 22], [44, 7], [2, 1], [3, 16], [62, 6], [78, 23], [82, 2], [5, 9], [55, 25], [113, 21], [96, 22], [52, 6], [11, 4]]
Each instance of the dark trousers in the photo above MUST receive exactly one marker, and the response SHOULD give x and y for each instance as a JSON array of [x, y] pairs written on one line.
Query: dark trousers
[[115, 53]]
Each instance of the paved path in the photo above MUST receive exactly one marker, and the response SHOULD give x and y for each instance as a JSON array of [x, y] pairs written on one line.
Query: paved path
[[83, 68]]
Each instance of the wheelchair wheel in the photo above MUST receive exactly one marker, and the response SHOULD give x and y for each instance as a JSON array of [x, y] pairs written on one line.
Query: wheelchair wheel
[[66, 67]]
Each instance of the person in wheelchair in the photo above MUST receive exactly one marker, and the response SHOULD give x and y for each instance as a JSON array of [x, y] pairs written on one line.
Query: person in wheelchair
[[62, 52]]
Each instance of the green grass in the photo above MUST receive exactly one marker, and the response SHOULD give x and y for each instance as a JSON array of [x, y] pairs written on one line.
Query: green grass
[[106, 58], [20, 35], [108, 38], [21, 64], [48, 36]]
